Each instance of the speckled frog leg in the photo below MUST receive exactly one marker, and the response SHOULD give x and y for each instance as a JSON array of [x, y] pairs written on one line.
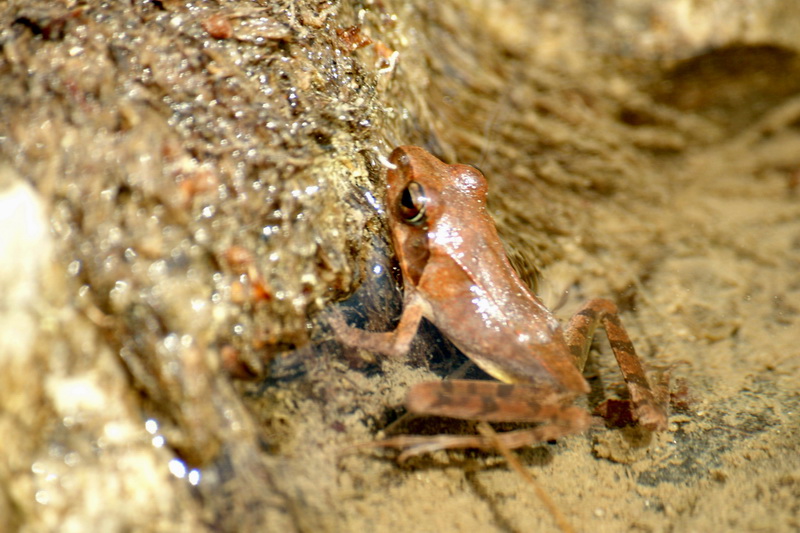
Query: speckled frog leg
[[650, 404]]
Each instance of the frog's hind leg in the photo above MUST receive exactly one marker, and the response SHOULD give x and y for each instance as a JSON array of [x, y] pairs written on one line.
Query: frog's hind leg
[[412, 445], [650, 404], [489, 401]]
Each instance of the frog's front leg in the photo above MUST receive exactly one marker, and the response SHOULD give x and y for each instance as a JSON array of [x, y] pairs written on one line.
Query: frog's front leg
[[394, 343], [650, 405]]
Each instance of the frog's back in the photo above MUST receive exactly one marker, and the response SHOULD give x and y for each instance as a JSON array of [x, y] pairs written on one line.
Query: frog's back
[[489, 314]]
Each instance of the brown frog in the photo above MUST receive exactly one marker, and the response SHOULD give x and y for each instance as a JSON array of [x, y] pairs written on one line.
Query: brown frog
[[456, 274]]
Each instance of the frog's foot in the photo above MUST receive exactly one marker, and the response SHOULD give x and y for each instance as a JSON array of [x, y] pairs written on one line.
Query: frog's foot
[[383, 343], [655, 415], [652, 414], [623, 413], [391, 343]]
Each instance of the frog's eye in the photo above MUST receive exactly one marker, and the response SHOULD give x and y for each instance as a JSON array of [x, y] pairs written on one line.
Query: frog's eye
[[412, 204]]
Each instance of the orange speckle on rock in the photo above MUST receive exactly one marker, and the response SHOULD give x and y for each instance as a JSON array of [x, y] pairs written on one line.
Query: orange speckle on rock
[[218, 26]]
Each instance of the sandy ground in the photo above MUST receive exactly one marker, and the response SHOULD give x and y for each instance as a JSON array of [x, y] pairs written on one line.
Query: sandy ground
[[696, 235], [714, 247]]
